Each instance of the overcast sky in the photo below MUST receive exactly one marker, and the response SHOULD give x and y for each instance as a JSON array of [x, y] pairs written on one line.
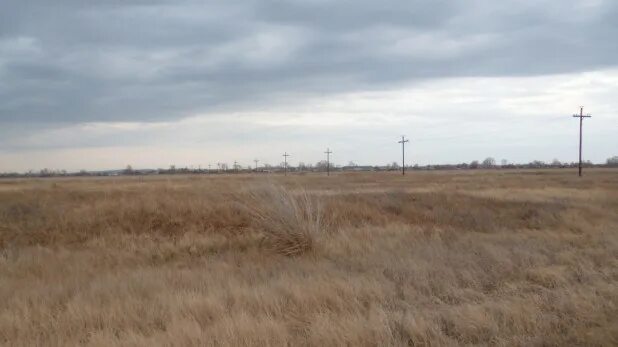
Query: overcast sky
[[103, 84]]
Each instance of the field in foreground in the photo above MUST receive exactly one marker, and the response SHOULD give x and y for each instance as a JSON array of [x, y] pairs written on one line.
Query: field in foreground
[[450, 258]]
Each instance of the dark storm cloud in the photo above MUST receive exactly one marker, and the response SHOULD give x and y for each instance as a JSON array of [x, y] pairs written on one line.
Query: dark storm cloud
[[81, 61]]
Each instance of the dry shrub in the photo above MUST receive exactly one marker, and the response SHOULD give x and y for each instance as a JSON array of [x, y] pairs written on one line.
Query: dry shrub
[[289, 220]]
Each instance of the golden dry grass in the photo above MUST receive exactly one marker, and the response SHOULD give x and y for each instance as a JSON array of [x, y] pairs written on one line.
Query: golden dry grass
[[451, 258]]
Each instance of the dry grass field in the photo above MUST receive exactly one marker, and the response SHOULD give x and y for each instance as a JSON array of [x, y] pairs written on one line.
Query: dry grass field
[[523, 258]]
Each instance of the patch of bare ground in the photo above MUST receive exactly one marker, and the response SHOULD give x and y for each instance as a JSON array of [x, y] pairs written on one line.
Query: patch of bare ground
[[440, 258]]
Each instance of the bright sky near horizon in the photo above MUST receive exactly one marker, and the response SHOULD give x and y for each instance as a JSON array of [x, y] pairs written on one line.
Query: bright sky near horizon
[[100, 85]]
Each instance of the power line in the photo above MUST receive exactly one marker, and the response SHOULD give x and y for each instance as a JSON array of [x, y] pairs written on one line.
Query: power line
[[403, 154], [328, 153], [581, 122]]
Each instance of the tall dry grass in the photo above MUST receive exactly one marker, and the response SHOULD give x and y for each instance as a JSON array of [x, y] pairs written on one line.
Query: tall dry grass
[[450, 258], [290, 221]]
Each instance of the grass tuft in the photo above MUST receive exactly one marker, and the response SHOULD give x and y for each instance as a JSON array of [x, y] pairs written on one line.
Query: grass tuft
[[289, 220]]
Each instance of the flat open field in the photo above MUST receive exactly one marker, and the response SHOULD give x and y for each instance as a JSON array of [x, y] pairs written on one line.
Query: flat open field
[[433, 258]]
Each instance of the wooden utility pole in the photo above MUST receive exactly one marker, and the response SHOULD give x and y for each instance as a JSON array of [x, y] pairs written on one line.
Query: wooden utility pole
[[285, 163], [328, 153], [256, 162], [581, 122], [403, 154]]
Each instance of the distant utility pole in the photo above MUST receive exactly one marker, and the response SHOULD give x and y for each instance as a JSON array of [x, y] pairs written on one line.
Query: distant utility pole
[[235, 166], [581, 121], [403, 154], [285, 163], [256, 162], [328, 153], [208, 168]]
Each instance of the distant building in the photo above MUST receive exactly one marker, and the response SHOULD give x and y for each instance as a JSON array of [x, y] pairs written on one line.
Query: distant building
[[358, 168]]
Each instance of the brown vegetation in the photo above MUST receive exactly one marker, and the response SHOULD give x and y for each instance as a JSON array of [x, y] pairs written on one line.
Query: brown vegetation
[[451, 258]]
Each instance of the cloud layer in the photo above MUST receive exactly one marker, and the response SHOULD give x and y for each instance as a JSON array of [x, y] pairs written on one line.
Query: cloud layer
[[71, 65]]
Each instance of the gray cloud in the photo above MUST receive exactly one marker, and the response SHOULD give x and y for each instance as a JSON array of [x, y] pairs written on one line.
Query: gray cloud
[[76, 61]]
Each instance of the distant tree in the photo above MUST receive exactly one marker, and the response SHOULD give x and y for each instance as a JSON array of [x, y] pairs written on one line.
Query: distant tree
[[172, 168], [504, 162], [489, 162], [321, 165], [462, 166], [537, 164], [613, 161], [351, 163], [45, 172], [128, 170], [556, 162], [474, 164]]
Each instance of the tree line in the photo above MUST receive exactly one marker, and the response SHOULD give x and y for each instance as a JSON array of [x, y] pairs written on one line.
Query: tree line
[[320, 166]]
